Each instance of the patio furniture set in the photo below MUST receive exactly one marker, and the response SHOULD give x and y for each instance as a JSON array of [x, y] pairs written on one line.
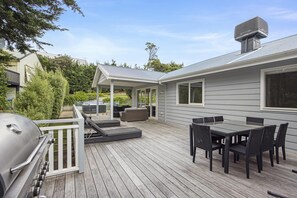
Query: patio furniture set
[[250, 138]]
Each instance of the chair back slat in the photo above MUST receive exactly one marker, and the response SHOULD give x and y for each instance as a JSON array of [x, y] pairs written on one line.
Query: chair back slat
[[281, 134], [202, 137], [268, 138], [219, 118], [254, 141], [208, 119], [255, 121], [198, 120]]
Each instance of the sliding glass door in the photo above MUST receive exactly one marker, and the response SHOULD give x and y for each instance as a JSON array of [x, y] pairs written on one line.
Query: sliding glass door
[[147, 98]]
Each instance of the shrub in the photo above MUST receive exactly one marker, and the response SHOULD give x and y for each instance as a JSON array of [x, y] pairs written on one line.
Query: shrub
[[122, 100], [81, 96], [3, 88], [36, 100], [59, 85], [69, 99], [92, 96]]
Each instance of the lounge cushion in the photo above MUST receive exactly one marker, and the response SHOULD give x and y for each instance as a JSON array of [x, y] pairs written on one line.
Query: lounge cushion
[[101, 123], [111, 134]]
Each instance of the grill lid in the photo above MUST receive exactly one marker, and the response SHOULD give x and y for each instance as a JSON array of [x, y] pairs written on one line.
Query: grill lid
[[19, 137]]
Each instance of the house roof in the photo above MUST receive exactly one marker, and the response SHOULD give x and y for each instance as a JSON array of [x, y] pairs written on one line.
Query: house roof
[[282, 49], [18, 54], [50, 55], [125, 74], [268, 52]]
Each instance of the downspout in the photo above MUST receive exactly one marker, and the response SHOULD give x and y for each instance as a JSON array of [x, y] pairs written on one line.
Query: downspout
[[165, 96]]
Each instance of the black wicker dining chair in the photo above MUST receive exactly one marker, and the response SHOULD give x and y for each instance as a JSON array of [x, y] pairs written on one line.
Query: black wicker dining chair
[[255, 121], [198, 120], [218, 118], [203, 140], [280, 141], [267, 143], [215, 138], [208, 119], [252, 148], [251, 121]]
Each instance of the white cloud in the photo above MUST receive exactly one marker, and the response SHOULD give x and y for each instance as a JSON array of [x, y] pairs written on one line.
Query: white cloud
[[281, 13], [92, 47]]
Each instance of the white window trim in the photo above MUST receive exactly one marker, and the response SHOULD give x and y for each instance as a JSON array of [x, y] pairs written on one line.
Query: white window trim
[[157, 99], [276, 70], [189, 98]]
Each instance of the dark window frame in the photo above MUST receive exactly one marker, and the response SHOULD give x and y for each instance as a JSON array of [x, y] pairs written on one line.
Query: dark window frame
[[284, 97]]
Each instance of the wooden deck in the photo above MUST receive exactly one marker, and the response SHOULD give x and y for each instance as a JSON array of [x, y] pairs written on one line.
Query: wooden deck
[[159, 165]]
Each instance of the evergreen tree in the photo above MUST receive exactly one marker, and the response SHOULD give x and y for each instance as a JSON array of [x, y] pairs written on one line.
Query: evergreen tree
[[25, 21]]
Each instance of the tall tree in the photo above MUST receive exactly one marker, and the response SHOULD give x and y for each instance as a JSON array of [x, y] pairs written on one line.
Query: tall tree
[[156, 65], [152, 50], [25, 21], [79, 77]]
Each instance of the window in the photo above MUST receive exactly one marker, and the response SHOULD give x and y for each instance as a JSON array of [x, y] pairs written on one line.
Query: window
[[280, 90], [190, 92]]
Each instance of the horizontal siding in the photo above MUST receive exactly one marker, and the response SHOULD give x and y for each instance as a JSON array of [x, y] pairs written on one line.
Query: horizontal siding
[[235, 95]]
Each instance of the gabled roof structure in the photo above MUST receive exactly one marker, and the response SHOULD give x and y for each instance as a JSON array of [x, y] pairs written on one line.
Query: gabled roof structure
[[282, 49], [269, 52], [125, 77]]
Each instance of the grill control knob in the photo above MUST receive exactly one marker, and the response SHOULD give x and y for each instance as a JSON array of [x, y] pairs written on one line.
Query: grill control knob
[[36, 191], [51, 141], [42, 171], [40, 177], [38, 183]]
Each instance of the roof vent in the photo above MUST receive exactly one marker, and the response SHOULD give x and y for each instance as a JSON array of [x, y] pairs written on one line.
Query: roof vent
[[250, 32]]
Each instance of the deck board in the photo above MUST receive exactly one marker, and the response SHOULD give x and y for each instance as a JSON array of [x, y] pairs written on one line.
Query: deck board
[[159, 165]]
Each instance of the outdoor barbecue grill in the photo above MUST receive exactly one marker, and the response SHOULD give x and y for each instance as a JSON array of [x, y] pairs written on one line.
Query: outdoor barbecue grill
[[23, 148]]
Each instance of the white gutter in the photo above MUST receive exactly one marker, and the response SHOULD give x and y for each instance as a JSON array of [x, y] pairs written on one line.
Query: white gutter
[[134, 80]]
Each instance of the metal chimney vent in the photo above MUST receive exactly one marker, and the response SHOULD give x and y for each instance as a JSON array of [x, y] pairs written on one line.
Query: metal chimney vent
[[250, 32]]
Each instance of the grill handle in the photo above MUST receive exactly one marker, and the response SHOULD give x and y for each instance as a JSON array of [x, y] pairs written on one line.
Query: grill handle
[[29, 159]]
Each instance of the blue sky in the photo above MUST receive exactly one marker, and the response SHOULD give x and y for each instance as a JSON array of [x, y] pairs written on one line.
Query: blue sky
[[186, 31]]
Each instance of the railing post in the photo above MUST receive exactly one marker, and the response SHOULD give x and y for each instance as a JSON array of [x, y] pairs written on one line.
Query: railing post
[[81, 146]]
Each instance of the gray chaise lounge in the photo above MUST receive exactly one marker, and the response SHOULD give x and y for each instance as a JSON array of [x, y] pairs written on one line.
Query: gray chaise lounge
[[101, 123], [101, 135]]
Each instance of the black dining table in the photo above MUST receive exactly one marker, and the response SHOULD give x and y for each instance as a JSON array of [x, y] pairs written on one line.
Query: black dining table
[[227, 129]]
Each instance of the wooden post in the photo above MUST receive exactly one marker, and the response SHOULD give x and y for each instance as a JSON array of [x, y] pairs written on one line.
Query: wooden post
[[111, 99], [97, 100]]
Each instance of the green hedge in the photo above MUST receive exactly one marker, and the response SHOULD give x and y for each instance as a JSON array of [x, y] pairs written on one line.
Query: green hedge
[[43, 97], [122, 100], [80, 96], [59, 85], [36, 100]]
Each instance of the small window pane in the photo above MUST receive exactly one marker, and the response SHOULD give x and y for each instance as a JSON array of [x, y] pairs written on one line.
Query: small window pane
[[183, 90], [281, 90], [196, 92]]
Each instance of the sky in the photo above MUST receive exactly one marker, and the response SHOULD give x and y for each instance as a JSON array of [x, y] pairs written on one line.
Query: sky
[[185, 31]]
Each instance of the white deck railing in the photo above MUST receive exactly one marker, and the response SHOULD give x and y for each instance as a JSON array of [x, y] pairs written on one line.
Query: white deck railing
[[67, 153]]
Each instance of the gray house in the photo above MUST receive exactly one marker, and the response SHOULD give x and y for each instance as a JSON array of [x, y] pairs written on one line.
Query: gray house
[[258, 80]]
